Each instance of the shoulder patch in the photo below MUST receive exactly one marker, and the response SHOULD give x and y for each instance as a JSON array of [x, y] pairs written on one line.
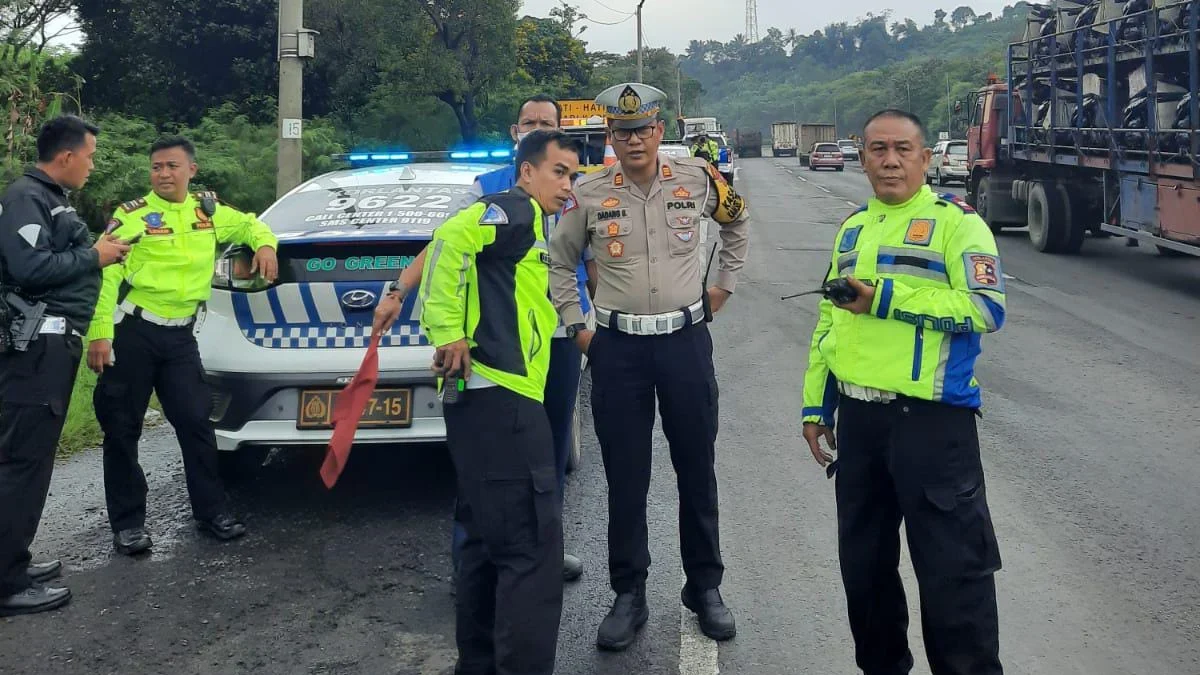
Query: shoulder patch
[[133, 205], [730, 205], [494, 215], [504, 208], [209, 194], [604, 174], [954, 199], [571, 204], [983, 272], [849, 239]]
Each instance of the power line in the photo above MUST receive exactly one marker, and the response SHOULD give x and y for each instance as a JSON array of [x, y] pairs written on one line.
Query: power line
[[606, 23], [614, 11]]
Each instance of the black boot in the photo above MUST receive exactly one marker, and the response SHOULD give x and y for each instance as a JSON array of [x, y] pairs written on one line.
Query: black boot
[[43, 572], [224, 527], [36, 598], [132, 541], [716, 621], [627, 616]]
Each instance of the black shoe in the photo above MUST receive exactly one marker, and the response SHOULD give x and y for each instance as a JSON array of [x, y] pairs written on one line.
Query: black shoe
[[627, 616], [43, 572], [132, 541], [572, 568], [223, 527], [36, 598], [716, 621]]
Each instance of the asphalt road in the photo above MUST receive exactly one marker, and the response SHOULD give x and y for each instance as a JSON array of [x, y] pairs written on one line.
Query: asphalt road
[[1090, 446]]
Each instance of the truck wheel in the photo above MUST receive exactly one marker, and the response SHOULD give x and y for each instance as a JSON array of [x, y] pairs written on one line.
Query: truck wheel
[[1047, 216], [980, 201]]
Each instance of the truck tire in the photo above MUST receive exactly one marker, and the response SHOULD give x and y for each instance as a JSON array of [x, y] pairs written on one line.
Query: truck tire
[[1048, 218], [980, 201]]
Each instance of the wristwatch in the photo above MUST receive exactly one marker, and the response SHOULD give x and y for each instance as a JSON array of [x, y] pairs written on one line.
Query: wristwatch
[[396, 287], [574, 329]]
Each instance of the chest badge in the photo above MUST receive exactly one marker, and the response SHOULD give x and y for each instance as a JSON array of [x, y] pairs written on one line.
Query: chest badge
[[849, 239], [685, 236], [681, 193], [611, 202], [614, 229], [616, 249], [920, 231], [685, 221], [203, 222]]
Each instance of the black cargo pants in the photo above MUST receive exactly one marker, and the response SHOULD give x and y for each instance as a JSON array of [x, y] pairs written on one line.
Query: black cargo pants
[[916, 461], [166, 360], [35, 393], [509, 589]]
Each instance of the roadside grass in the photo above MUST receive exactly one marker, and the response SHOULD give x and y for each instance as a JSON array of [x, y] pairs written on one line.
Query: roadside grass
[[81, 430]]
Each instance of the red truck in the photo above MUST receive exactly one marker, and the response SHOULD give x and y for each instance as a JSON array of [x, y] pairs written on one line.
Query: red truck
[[1095, 129]]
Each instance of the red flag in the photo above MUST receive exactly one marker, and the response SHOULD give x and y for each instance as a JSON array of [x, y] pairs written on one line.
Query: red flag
[[348, 411]]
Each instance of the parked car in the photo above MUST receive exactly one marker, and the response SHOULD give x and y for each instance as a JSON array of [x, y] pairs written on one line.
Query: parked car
[[826, 156], [949, 163]]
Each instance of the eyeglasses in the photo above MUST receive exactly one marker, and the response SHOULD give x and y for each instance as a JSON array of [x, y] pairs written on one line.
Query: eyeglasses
[[625, 134]]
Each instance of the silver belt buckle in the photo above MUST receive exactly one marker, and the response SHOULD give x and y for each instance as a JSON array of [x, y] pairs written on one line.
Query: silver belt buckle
[[53, 325]]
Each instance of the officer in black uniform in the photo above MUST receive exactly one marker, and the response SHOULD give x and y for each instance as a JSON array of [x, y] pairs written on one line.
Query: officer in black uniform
[[49, 266]]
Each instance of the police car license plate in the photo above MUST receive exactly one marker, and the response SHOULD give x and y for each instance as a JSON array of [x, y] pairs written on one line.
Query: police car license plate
[[386, 408]]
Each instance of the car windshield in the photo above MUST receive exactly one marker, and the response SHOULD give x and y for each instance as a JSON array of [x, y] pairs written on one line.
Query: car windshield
[[366, 208], [959, 150], [846, 144]]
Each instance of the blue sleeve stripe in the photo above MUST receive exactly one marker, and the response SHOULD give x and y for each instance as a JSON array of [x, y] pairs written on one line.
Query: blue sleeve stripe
[[996, 309], [885, 300], [812, 412]]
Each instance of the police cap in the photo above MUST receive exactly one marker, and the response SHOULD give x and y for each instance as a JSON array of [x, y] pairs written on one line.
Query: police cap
[[631, 105]]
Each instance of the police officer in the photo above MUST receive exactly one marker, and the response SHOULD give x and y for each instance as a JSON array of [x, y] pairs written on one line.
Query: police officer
[[49, 264], [705, 148], [538, 112], [141, 339], [898, 364], [641, 217], [486, 309]]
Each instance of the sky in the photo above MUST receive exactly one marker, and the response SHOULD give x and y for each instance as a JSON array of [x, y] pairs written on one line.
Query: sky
[[675, 23]]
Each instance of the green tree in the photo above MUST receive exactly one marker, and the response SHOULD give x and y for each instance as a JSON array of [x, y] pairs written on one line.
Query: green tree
[[468, 49], [552, 58]]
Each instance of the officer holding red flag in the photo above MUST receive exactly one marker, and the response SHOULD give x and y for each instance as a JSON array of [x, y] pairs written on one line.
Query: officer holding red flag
[[486, 309]]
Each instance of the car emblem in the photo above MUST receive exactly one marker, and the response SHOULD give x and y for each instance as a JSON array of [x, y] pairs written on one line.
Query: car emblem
[[358, 299]]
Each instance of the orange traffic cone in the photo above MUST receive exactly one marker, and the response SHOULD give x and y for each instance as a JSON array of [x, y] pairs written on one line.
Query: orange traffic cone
[[610, 156]]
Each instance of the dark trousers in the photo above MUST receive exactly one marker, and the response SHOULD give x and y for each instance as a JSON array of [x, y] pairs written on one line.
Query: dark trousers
[[35, 393], [916, 461], [562, 391], [509, 588], [164, 360], [628, 371]]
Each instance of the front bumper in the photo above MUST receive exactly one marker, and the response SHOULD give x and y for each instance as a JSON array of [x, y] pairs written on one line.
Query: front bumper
[[261, 409]]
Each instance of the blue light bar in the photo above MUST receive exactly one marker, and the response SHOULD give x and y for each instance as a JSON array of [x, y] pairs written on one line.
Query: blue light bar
[[385, 157], [501, 153], [460, 155]]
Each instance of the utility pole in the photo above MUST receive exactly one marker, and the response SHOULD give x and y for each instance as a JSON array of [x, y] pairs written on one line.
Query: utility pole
[[295, 44], [639, 38], [949, 124]]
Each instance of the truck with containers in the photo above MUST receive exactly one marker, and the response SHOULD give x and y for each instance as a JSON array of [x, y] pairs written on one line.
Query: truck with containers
[[783, 139], [1094, 128], [747, 142]]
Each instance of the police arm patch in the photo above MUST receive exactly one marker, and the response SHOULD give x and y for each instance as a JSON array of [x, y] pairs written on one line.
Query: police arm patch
[[983, 272], [570, 205], [133, 205], [494, 215], [730, 205]]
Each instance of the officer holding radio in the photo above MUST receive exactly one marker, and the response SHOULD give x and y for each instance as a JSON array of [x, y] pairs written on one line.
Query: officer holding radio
[[141, 339], [642, 219], [895, 358], [50, 278]]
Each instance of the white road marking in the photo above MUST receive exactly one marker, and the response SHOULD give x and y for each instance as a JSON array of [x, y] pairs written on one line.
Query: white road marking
[[802, 178], [1009, 276], [850, 203], [822, 187], [697, 653]]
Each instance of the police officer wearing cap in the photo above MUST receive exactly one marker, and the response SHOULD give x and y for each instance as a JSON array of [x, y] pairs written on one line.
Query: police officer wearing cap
[[897, 364], [141, 339], [641, 218], [50, 274]]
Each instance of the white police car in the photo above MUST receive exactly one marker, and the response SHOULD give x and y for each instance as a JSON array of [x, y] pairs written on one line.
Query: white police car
[[277, 355]]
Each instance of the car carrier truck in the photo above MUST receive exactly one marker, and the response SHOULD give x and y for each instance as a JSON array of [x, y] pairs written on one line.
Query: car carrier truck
[[1095, 128]]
